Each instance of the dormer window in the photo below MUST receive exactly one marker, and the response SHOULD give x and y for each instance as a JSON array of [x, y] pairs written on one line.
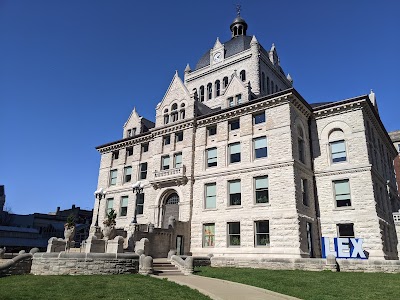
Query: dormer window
[[243, 75], [174, 112], [182, 112], [217, 88], [166, 116], [202, 93], [209, 91], [225, 82]]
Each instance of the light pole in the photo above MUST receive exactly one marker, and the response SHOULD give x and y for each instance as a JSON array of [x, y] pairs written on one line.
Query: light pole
[[99, 194], [137, 188]]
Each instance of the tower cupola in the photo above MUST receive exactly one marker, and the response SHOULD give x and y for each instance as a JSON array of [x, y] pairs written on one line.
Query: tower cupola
[[239, 25]]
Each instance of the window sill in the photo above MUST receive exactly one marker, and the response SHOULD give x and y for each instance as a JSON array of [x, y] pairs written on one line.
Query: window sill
[[260, 158], [261, 205], [122, 218], [234, 207], [262, 246], [344, 208], [210, 209]]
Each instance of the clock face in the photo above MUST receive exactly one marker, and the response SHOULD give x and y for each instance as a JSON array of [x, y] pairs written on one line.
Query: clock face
[[217, 57]]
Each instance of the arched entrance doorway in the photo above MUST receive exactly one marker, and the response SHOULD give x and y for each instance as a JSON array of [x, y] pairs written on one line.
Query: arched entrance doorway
[[170, 208]]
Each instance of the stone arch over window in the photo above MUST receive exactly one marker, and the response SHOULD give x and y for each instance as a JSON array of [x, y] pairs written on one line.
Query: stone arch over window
[[169, 207], [243, 75], [182, 111], [225, 82], [209, 91], [202, 93], [217, 88], [174, 112], [166, 116]]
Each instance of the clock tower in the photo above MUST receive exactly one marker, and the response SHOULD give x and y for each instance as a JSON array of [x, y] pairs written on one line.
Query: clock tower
[[217, 53]]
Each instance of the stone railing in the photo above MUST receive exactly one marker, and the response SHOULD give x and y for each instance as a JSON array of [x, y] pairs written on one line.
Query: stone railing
[[184, 265], [145, 265], [176, 171], [64, 263], [20, 264]]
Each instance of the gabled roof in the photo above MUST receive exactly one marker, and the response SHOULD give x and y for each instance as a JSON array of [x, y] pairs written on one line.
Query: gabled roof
[[176, 80]]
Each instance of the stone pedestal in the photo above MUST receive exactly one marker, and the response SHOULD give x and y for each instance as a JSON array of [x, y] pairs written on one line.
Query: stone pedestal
[[56, 245], [115, 245], [94, 245], [143, 245]]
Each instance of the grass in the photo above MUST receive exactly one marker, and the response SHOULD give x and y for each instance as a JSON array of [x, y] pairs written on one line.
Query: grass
[[313, 285], [108, 287]]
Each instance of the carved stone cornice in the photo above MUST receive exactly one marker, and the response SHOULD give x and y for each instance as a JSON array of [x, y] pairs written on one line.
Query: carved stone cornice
[[343, 171], [227, 171], [173, 128], [338, 109]]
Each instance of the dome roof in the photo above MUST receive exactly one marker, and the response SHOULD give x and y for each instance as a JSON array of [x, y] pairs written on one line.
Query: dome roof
[[239, 20]]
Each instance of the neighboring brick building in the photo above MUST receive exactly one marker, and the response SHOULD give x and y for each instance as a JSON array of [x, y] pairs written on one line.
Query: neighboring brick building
[[251, 166], [395, 136]]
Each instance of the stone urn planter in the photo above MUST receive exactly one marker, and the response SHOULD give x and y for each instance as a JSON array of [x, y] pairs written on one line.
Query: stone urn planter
[[108, 232], [69, 233]]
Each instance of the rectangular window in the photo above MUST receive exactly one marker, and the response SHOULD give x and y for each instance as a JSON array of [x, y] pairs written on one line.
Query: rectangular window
[[259, 118], [234, 153], [260, 147], [233, 234], [139, 203], [304, 191], [113, 177], [211, 195], [165, 162], [124, 206], [177, 160], [211, 157], [115, 154], [110, 205], [261, 236], [167, 140], [342, 193], [234, 192], [346, 230], [129, 133], [143, 171], [127, 174], [300, 143], [179, 136], [145, 147], [208, 235], [239, 99], [338, 151], [212, 130], [261, 184], [234, 124], [231, 102], [129, 151]]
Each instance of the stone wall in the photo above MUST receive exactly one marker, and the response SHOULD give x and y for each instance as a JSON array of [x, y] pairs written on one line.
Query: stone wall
[[84, 263], [19, 265], [309, 264]]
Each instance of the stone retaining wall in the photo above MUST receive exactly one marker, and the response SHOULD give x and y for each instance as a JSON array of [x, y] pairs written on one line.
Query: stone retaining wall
[[309, 264], [19, 265], [64, 263]]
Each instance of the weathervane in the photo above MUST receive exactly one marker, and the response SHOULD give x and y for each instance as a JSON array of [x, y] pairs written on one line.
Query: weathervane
[[238, 8]]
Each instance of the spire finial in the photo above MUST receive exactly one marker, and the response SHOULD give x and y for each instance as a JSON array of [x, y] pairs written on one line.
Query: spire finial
[[238, 9]]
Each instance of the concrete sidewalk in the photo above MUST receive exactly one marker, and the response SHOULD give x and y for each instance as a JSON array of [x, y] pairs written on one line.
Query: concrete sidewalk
[[218, 289]]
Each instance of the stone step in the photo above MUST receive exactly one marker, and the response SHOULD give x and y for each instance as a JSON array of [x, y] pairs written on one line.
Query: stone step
[[165, 268]]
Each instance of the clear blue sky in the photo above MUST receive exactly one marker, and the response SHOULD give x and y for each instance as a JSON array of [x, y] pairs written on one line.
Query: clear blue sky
[[72, 71]]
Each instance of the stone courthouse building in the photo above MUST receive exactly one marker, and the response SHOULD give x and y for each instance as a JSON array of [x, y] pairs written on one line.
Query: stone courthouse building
[[247, 167]]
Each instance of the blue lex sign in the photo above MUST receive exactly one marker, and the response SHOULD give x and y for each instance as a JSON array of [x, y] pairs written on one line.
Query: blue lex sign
[[343, 248]]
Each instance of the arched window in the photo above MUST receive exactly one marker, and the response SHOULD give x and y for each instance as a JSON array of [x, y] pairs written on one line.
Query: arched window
[[166, 116], [194, 91], [272, 86], [337, 146], [300, 143], [209, 91], [202, 93], [243, 75], [268, 89], [225, 82], [276, 88], [174, 112], [263, 81], [217, 88], [182, 112]]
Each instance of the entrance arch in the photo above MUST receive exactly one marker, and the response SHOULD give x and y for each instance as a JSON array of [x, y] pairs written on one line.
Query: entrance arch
[[170, 208]]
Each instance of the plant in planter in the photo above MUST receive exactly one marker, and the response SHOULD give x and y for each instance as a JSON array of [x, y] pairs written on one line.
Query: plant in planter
[[109, 225], [69, 228]]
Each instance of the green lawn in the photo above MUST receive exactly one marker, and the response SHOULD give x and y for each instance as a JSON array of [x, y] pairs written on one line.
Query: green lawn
[[313, 285], [110, 287]]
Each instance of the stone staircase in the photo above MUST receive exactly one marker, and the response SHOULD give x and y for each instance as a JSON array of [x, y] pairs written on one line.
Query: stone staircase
[[162, 267]]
